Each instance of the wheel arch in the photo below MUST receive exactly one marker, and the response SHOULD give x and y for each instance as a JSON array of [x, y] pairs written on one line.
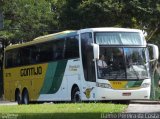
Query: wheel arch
[[72, 90], [73, 87]]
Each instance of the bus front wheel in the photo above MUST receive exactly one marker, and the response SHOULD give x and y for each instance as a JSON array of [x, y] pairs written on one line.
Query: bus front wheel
[[75, 96]]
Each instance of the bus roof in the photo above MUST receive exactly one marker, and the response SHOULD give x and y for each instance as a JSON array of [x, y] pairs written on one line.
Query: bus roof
[[65, 33], [41, 39], [109, 29]]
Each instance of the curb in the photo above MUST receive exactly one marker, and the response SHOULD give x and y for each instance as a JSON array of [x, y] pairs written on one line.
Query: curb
[[144, 102]]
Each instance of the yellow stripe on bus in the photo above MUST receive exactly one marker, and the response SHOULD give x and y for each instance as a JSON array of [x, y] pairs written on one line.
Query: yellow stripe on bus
[[30, 77]]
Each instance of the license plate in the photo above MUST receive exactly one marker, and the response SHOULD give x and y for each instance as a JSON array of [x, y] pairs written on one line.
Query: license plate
[[126, 94]]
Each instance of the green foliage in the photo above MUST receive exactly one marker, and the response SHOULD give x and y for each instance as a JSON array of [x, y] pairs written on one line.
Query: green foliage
[[62, 111], [64, 108], [118, 13], [27, 19]]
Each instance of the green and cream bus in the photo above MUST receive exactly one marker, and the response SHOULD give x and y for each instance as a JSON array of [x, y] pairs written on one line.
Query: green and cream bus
[[63, 66]]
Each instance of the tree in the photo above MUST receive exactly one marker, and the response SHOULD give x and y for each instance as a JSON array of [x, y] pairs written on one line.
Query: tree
[[141, 14], [76, 14], [27, 19]]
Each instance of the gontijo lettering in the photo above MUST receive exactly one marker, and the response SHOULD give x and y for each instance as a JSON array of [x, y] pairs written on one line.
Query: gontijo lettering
[[31, 71]]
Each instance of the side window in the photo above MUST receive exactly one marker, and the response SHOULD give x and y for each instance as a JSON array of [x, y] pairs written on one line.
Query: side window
[[38, 53], [58, 49], [16, 57], [8, 59], [21, 56], [25, 55], [50, 51], [72, 47], [87, 57], [29, 55], [34, 54], [45, 52], [13, 58]]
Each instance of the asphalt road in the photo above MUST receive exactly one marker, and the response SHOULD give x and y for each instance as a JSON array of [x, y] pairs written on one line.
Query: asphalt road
[[7, 103], [144, 107]]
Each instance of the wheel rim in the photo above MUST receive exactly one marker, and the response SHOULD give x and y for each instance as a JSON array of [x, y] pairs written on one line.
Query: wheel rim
[[77, 97], [25, 99]]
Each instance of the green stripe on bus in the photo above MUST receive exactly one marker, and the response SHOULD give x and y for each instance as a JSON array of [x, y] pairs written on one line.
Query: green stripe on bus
[[132, 84], [54, 76], [49, 77], [59, 74]]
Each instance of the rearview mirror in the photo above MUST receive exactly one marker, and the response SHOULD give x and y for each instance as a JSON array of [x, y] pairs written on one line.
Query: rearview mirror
[[154, 51], [95, 50]]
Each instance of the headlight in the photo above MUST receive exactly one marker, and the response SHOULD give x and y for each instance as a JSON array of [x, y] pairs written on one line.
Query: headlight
[[145, 85], [103, 85]]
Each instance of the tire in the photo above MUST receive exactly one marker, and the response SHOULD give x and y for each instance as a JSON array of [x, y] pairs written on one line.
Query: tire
[[25, 97], [18, 97], [76, 97]]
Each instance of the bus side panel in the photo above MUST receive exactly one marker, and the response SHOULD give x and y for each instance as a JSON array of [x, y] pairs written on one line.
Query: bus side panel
[[29, 77], [53, 78], [63, 75]]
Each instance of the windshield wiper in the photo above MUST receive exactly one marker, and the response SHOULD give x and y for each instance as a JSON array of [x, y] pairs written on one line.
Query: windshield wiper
[[135, 71]]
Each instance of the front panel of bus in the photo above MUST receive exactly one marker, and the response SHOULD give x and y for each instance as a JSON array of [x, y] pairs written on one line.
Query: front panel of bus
[[126, 75]]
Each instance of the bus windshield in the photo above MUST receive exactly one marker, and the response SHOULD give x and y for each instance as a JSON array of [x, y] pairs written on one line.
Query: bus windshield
[[122, 63]]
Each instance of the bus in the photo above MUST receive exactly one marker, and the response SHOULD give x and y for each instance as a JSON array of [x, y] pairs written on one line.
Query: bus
[[64, 66]]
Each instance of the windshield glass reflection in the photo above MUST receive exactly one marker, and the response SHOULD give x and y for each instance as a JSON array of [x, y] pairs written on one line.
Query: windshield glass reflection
[[122, 63]]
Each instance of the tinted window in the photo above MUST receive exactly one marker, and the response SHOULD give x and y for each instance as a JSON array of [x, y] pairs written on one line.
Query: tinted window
[[58, 49], [12, 58], [87, 57], [45, 51], [25, 55], [72, 47]]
